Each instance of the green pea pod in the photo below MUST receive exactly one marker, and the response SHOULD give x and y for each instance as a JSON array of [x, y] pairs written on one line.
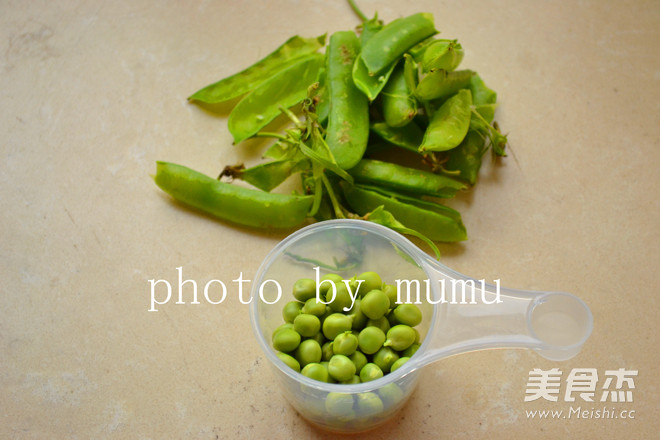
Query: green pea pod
[[481, 94], [487, 111], [441, 83], [427, 205], [285, 89], [385, 218], [417, 51], [236, 204], [449, 124], [370, 28], [410, 72], [399, 104], [348, 121], [370, 85], [405, 179], [466, 158], [242, 82], [389, 44], [442, 55], [435, 226], [267, 176], [409, 137]]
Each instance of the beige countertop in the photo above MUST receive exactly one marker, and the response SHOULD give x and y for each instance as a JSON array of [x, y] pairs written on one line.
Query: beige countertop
[[93, 93]]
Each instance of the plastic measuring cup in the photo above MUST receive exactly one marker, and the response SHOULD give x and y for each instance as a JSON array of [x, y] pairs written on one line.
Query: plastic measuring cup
[[554, 324]]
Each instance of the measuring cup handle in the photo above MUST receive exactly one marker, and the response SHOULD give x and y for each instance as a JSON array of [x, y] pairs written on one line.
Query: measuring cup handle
[[472, 315]]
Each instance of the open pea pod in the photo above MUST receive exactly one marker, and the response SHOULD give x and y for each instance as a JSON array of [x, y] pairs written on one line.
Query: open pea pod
[[428, 205], [242, 82], [236, 204], [370, 85], [262, 105], [433, 225], [449, 124], [347, 132], [385, 218], [269, 175], [410, 180]]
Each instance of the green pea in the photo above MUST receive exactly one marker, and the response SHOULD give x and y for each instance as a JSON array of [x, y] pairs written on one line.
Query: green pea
[[408, 137], [391, 292], [325, 285], [281, 327], [313, 307], [359, 320], [309, 351], [441, 83], [371, 339], [304, 289], [341, 368], [370, 372], [375, 304], [307, 325], [286, 340], [399, 104], [282, 90], [244, 81], [391, 318], [352, 381], [369, 404], [406, 179], [384, 358], [389, 44], [408, 314], [326, 351], [315, 371], [335, 324], [342, 301], [400, 337], [339, 404], [381, 323], [229, 202], [345, 343], [291, 310], [391, 395], [289, 360], [449, 124], [370, 281], [359, 359], [325, 365], [348, 121], [410, 351], [399, 362], [434, 225]]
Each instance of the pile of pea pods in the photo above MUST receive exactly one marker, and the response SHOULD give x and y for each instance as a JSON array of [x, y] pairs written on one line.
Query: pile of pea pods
[[358, 107]]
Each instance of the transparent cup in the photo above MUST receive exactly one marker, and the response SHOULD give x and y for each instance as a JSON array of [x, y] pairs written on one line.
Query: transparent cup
[[460, 314]]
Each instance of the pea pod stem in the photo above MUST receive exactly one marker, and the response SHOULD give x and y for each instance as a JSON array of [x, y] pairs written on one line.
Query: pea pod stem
[[357, 10]]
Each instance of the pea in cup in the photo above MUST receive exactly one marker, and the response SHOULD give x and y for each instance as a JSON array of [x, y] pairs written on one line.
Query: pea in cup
[[459, 314]]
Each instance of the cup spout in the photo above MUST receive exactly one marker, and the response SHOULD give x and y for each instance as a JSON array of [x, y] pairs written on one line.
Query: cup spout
[[473, 315]]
